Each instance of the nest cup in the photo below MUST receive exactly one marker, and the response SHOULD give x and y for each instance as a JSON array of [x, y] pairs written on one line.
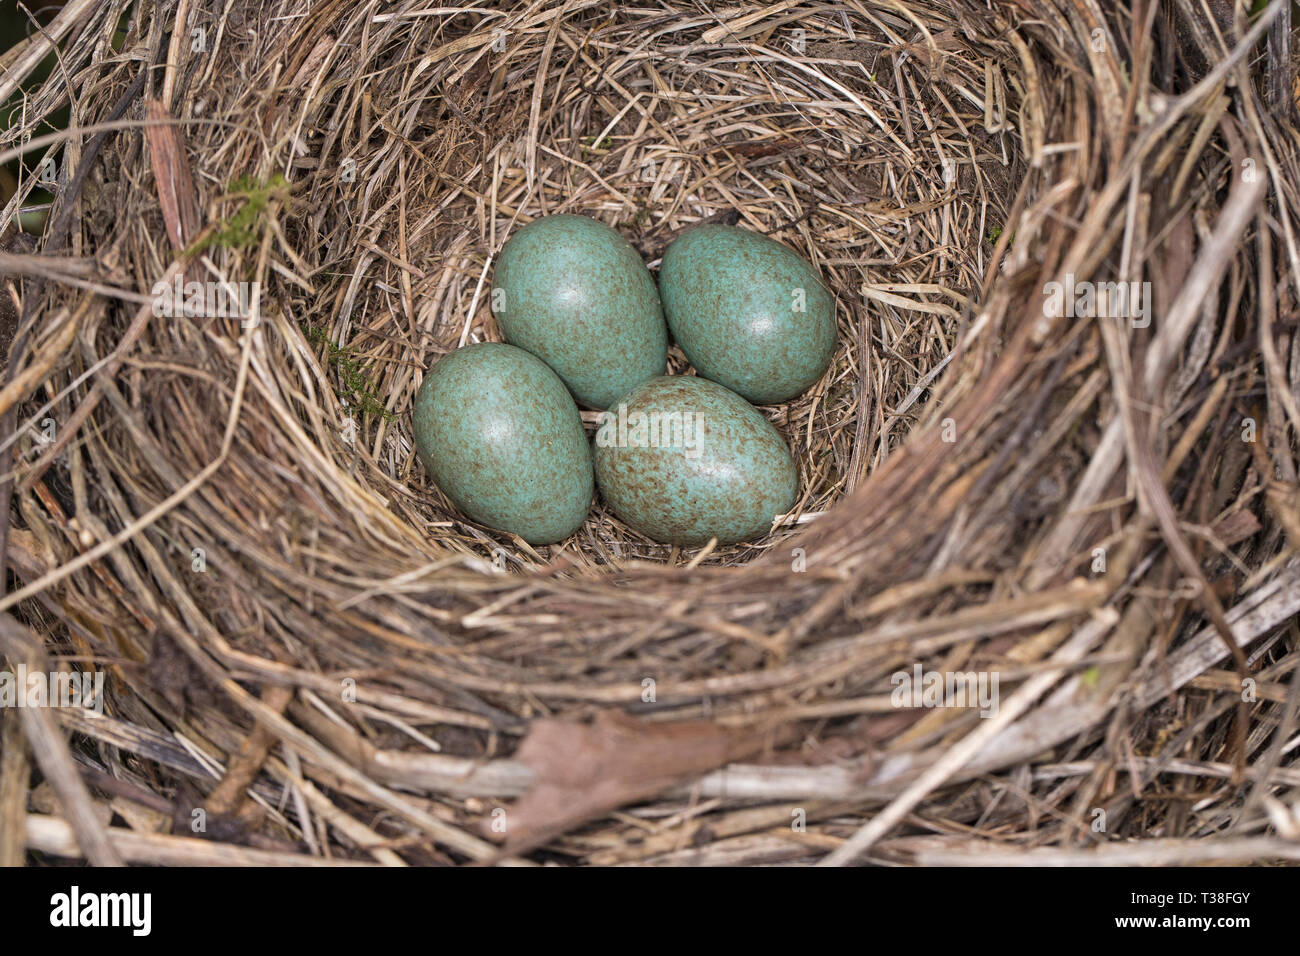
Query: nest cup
[[652, 129], [233, 521]]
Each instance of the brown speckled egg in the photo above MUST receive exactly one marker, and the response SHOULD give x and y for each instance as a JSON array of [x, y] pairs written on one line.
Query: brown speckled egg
[[576, 294], [500, 435], [683, 460], [748, 312]]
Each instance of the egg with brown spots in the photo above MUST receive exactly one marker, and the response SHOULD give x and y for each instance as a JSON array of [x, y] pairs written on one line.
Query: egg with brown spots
[[574, 292], [683, 460], [500, 435], [750, 313]]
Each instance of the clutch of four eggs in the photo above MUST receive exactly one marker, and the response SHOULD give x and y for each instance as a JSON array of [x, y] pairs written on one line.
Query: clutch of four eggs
[[681, 459]]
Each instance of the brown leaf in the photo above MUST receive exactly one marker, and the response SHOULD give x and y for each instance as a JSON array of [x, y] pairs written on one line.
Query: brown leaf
[[582, 771], [1236, 528], [171, 171]]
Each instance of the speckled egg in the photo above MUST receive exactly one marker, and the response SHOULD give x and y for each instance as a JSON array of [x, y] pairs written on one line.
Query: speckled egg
[[749, 313], [576, 294], [682, 460], [500, 435]]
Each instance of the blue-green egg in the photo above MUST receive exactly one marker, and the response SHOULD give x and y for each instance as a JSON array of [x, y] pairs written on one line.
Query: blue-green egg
[[749, 313], [576, 294], [683, 460], [500, 435]]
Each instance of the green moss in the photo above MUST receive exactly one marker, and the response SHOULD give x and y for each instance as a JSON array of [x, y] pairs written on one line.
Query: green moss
[[244, 227], [596, 145], [350, 372]]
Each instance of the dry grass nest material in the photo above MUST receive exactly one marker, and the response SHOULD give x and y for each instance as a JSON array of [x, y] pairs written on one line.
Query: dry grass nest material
[[304, 641]]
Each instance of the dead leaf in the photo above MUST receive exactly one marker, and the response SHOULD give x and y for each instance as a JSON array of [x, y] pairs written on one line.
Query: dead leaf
[[583, 771], [1236, 528], [171, 170]]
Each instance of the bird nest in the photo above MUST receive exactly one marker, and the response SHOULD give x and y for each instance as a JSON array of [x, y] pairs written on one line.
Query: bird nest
[[1037, 599]]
